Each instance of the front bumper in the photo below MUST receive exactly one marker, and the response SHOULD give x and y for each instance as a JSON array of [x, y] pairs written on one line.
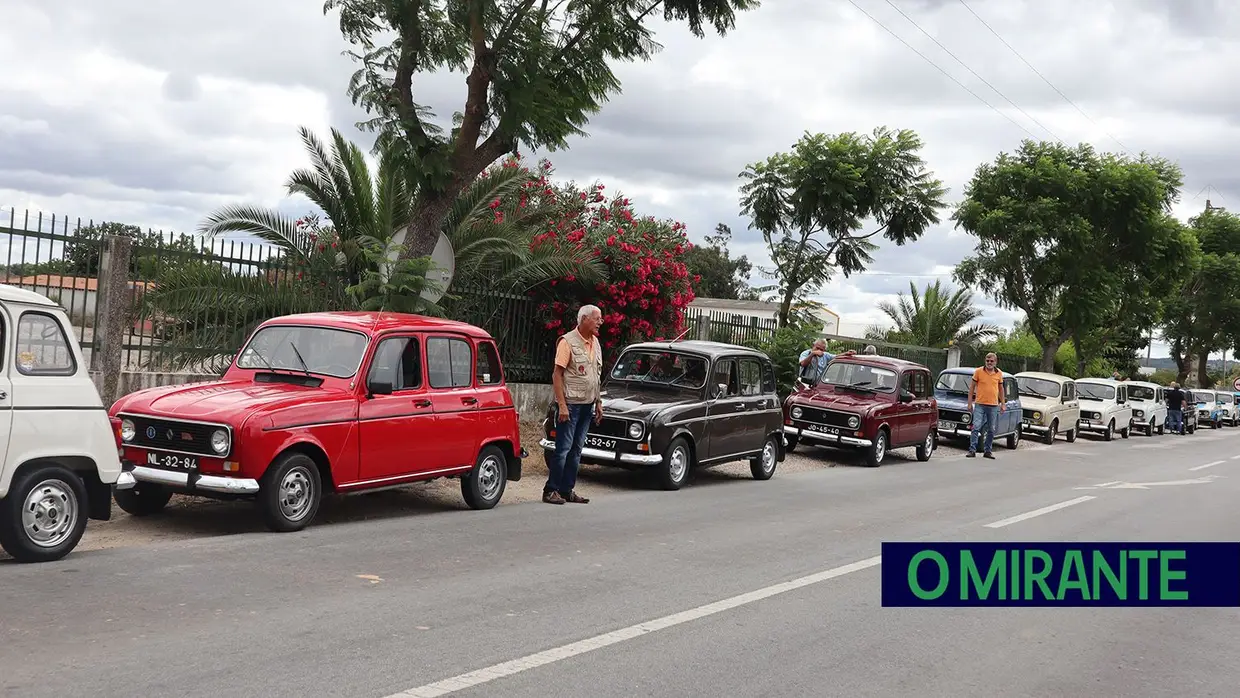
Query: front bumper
[[1034, 427], [1098, 426], [188, 481], [598, 454], [790, 430]]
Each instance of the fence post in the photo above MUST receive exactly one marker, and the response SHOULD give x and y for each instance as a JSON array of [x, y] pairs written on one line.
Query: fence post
[[953, 357], [113, 298], [703, 328]]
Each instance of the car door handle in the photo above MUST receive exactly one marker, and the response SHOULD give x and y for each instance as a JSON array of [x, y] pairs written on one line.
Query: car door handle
[[469, 400], [4, 395], [741, 407], [422, 402]]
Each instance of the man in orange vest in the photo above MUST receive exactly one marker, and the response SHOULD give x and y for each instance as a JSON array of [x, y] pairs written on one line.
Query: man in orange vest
[[986, 392]]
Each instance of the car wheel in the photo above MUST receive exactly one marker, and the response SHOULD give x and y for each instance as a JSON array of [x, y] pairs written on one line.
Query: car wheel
[[44, 515], [926, 448], [143, 499], [1110, 433], [763, 467], [1126, 431], [291, 492], [878, 450], [483, 486], [1013, 439], [1049, 438], [1162, 428], [677, 460]]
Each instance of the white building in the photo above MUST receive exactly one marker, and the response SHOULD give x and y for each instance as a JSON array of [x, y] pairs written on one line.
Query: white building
[[743, 312]]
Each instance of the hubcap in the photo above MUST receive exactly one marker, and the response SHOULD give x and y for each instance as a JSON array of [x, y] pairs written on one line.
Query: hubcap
[[296, 494], [880, 446], [489, 477], [50, 513], [678, 463], [929, 442], [768, 457]]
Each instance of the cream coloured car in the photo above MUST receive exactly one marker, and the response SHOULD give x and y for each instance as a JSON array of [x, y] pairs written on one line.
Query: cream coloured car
[[1105, 407], [1149, 406], [1048, 405]]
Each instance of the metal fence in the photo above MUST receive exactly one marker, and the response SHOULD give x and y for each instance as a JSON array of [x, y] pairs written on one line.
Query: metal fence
[[933, 359], [1012, 363], [729, 328]]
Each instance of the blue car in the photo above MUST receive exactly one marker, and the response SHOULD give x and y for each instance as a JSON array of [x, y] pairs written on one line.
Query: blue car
[[952, 393], [1209, 411]]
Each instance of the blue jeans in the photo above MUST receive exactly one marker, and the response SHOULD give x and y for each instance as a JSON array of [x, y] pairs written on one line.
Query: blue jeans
[[570, 437], [984, 416], [1175, 421]]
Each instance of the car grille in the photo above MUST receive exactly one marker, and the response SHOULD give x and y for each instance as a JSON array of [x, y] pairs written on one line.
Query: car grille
[[951, 415], [1027, 414], [615, 428], [186, 437], [819, 416], [1091, 415]]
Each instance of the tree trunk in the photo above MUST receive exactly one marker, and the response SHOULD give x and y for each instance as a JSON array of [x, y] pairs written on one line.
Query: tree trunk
[[1080, 356], [427, 223], [785, 307], [1183, 364], [1203, 376], [1048, 358]]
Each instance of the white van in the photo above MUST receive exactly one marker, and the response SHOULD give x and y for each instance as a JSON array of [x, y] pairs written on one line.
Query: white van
[[1104, 407], [1149, 406]]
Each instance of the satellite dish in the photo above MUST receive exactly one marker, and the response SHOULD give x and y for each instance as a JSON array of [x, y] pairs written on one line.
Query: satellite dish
[[443, 263]]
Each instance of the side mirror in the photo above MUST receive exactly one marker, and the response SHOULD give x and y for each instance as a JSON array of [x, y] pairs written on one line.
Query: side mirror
[[378, 388], [906, 396]]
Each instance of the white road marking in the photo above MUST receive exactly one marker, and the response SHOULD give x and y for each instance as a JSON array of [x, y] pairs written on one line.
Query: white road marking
[[1235, 457], [1208, 465], [1038, 512], [1146, 485], [556, 654]]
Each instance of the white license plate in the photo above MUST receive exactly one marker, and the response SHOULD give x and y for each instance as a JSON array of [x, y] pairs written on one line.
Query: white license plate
[[600, 442], [947, 426], [171, 461], [1087, 422], [822, 429]]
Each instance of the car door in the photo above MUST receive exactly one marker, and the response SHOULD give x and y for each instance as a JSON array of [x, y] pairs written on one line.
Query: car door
[[726, 414], [6, 387], [1009, 421], [903, 426], [756, 402], [923, 413], [389, 424], [450, 373]]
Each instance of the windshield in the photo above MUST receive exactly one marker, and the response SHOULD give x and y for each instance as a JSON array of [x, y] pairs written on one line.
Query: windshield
[[1140, 392], [1203, 396], [1226, 398], [661, 368], [1037, 387], [954, 383], [859, 376], [1093, 391], [315, 350]]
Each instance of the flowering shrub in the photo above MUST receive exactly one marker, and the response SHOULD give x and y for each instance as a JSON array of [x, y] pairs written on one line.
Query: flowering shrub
[[647, 286]]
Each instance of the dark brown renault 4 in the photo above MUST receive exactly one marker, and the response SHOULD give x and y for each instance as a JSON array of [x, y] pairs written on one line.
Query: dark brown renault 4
[[670, 407]]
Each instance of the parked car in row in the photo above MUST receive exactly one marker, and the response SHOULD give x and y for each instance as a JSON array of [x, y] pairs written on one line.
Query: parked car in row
[[866, 402], [671, 407], [1208, 409], [338, 402], [1049, 405], [1104, 407], [1189, 412], [952, 394], [1227, 402], [1149, 406], [58, 457]]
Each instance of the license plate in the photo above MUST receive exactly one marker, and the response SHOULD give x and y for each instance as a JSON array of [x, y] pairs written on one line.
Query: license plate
[[947, 426], [600, 442], [171, 461], [1087, 422], [822, 429]]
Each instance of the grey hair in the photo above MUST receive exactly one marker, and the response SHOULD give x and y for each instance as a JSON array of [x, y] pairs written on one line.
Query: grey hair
[[587, 311]]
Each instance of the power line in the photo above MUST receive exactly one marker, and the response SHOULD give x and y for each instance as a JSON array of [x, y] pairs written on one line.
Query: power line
[[974, 72], [941, 70], [1044, 78]]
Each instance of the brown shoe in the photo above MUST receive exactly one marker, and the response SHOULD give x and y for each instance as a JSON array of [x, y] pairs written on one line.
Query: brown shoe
[[576, 498], [552, 498]]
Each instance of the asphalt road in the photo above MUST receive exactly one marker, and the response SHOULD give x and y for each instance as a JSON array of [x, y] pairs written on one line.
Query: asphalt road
[[648, 593]]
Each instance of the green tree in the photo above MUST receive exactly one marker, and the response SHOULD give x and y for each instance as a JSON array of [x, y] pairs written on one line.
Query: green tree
[[935, 317], [810, 204], [1078, 240], [535, 72], [720, 276]]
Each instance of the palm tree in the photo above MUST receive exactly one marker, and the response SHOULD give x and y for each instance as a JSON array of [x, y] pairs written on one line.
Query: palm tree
[[935, 317]]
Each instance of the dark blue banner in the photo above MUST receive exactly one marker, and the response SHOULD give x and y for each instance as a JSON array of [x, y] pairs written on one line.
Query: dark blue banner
[[1061, 574]]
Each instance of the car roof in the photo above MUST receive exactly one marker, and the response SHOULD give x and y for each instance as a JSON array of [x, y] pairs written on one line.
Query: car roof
[[965, 370], [1045, 376], [13, 294], [375, 322], [1147, 384], [885, 361], [701, 347], [1101, 381]]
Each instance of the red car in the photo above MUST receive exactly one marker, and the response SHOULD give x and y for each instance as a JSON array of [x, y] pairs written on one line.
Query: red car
[[866, 402], [327, 402]]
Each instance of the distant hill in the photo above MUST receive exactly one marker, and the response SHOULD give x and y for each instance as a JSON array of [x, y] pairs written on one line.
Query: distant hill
[[1166, 363]]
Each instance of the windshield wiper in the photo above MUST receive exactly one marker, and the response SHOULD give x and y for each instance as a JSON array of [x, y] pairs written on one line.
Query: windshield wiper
[[305, 369]]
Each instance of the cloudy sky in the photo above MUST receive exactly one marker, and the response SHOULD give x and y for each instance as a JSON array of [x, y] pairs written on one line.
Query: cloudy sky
[[117, 110]]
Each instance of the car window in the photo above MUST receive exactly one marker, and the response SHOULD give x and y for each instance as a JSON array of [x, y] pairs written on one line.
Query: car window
[[398, 361], [768, 377], [488, 371], [1010, 391], [42, 347], [318, 350], [725, 374], [449, 362], [919, 384], [751, 377]]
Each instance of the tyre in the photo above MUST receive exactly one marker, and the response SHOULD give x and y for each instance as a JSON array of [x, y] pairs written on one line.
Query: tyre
[[290, 493], [763, 467], [143, 499], [926, 448], [44, 515], [1049, 437], [877, 451], [1126, 431], [483, 486], [1072, 434], [1162, 428], [1110, 433], [1013, 439], [677, 460]]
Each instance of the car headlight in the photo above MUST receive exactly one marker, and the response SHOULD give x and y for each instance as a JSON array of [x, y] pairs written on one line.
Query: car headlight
[[128, 430], [966, 417], [1037, 415], [635, 430], [854, 422], [797, 412], [219, 441], [1138, 413]]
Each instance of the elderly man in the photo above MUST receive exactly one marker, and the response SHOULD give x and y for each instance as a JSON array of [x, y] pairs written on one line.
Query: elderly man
[[986, 391], [575, 380], [814, 361]]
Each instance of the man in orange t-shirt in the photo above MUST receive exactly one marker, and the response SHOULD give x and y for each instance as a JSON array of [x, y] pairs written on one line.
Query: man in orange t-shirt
[[986, 401]]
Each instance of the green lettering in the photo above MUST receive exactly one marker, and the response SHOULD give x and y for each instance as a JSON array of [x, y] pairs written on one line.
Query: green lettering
[[944, 575], [1143, 579], [1166, 574], [1039, 577], [970, 576], [1014, 583], [1102, 568], [1073, 565]]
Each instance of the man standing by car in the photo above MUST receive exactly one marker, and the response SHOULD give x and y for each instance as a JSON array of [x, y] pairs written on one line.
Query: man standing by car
[[575, 379], [986, 392], [1175, 409], [814, 361]]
